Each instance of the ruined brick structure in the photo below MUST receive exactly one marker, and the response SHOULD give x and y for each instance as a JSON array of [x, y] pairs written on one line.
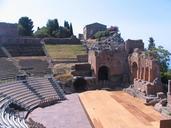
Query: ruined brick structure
[[169, 96], [91, 29], [145, 73], [120, 63], [109, 65]]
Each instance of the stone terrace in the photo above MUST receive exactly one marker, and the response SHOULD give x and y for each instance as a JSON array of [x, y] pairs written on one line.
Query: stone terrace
[[36, 66]]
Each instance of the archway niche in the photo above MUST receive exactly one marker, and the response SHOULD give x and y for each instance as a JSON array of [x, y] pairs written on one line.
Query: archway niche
[[146, 73], [80, 84], [103, 73], [134, 70]]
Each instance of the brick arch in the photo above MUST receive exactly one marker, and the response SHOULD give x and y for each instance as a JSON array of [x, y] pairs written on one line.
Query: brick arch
[[103, 72], [80, 84], [134, 68]]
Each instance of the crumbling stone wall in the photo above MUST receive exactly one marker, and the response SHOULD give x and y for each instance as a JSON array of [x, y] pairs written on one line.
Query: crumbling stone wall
[[115, 62], [169, 96], [8, 30], [145, 73], [61, 41], [91, 29], [82, 58], [130, 45], [82, 69], [19, 40], [23, 46], [125, 62]]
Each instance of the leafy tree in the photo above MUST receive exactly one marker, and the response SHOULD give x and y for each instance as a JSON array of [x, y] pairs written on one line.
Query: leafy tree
[[52, 25], [151, 44], [41, 32], [162, 56], [165, 76], [25, 26], [53, 29], [62, 32]]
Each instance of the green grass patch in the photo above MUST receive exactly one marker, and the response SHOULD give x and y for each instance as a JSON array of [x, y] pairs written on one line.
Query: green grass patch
[[65, 50]]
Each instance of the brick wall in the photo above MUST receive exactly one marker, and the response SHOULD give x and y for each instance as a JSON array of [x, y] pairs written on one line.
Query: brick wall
[[8, 29]]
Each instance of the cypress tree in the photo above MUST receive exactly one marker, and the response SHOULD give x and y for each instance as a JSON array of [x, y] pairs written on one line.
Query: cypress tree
[[71, 29]]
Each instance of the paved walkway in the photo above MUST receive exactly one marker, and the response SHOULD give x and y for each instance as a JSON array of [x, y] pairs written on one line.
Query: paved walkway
[[68, 114]]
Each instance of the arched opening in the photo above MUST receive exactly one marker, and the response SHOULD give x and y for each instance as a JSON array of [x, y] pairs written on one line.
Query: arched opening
[[103, 73], [134, 70], [146, 73], [80, 85]]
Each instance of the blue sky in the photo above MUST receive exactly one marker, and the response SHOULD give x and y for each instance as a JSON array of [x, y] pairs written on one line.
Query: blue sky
[[137, 19]]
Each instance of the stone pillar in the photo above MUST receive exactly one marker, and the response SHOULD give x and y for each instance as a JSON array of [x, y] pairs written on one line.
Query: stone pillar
[[150, 75], [169, 96], [139, 73], [144, 74]]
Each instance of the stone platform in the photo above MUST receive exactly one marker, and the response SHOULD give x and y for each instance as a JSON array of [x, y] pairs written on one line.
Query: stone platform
[[117, 109]]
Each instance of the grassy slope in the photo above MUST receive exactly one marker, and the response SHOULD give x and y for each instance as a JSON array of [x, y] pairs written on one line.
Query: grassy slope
[[65, 50]]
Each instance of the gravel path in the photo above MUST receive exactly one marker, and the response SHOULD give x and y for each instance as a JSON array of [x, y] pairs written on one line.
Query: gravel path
[[67, 114]]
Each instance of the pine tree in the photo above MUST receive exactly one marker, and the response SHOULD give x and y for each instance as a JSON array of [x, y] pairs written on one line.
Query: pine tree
[[56, 24], [71, 29], [151, 44], [66, 24]]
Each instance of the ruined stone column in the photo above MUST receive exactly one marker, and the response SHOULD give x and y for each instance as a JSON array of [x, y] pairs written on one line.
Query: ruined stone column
[[169, 87], [144, 73], [139, 74], [150, 75], [169, 95]]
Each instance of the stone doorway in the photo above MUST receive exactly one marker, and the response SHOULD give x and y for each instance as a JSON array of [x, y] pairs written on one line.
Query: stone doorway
[[80, 84], [134, 70], [103, 74]]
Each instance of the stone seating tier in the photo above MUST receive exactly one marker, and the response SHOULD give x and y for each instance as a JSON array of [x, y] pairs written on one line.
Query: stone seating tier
[[25, 95]]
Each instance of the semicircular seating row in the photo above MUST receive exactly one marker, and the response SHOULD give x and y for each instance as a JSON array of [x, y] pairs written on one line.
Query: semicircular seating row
[[18, 98]]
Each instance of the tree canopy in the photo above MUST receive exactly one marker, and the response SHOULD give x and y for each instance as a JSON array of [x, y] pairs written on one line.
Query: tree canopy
[[66, 25], [52, 25], [71, 29], [42, 32], [151, 44], [52, 29], [25, 26], [162, 56]]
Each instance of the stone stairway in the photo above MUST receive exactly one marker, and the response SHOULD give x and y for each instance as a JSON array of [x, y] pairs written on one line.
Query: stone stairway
[[57, 88]]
